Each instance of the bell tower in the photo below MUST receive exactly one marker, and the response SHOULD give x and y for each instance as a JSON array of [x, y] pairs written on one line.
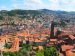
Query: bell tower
[[52, 29]]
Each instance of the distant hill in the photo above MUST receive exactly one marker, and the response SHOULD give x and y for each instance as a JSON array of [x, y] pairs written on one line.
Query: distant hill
[[33, 13]]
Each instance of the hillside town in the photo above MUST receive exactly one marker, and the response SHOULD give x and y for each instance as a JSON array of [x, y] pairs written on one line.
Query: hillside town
[[39, 34], [37, 27]]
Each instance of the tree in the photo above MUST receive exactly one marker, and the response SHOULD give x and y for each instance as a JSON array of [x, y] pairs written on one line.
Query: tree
[[50, 51], [7, 45], [25, 46], [62, 24], [23, 52], [9, 54], [40, 53], [58, 32], [1, 17]]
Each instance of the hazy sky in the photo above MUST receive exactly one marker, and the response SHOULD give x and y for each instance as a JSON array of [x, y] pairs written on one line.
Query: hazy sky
[[67, 5]]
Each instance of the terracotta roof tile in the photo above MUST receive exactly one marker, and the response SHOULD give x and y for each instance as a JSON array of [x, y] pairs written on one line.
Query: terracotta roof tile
[[72, 37], [66, 47], [70, 53]]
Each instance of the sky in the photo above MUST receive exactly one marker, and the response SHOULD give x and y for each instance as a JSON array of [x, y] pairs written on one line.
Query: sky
[[66, 5]]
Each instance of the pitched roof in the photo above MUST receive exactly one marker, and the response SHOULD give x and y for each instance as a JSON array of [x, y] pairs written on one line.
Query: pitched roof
[[70, 53], [66, 47], [72, 37], [53, 40]]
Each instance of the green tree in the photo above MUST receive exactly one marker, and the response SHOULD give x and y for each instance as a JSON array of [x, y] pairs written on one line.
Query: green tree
[[1, 17], [58, 32], [7, 45], [23, 52], [40, 53], [50, 51], [62, 24], [9, 54]]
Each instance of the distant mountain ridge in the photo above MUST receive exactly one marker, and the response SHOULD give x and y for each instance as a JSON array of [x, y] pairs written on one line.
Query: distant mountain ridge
[[24, 13], [39, 11]]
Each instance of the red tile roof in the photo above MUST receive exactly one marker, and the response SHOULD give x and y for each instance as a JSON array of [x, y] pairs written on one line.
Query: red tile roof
[[72, 37], [53, 40], [70, 53], [66, 47]]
